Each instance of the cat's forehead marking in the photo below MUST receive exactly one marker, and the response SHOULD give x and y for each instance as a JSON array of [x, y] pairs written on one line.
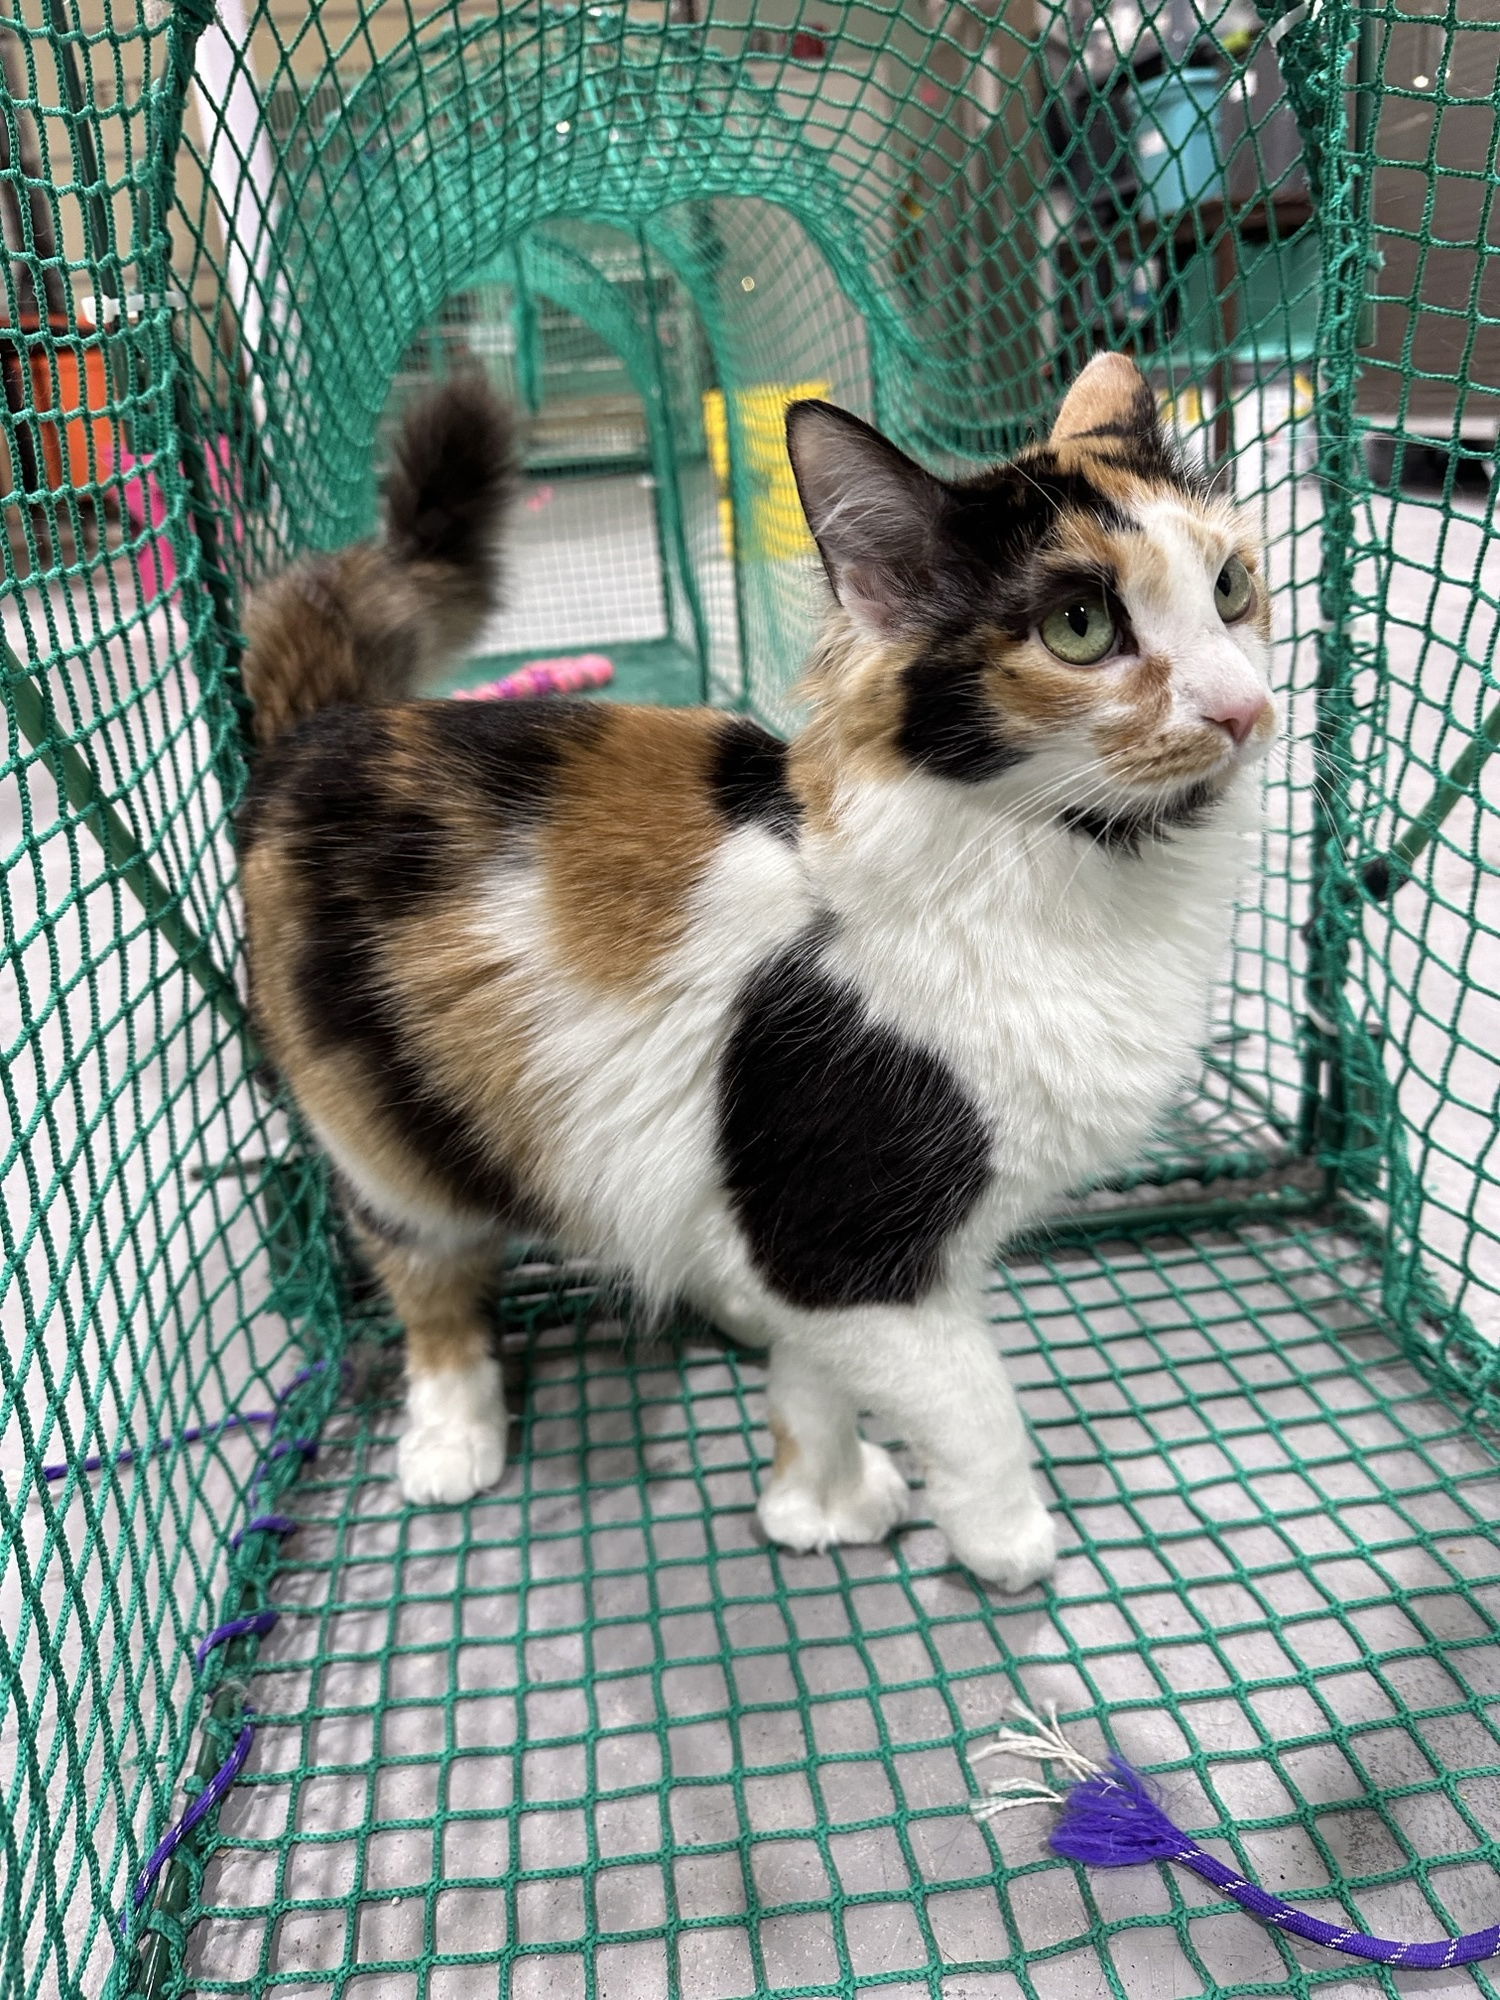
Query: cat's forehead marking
[[1119, 479], [1213, 530], [1159, 553], [1170, 561], [1085, 539]]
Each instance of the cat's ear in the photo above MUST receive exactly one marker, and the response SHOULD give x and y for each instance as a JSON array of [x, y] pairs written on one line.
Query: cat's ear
[[1110, 399], [875, 515]]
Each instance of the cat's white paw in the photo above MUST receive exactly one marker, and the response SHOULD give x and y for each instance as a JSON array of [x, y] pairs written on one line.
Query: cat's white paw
[[454, 1446], [793, 1514], [443, 1467], [1010, 1547]]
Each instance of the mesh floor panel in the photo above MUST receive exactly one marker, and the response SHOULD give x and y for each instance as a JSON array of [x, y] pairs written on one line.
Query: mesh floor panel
[[589, 1735]]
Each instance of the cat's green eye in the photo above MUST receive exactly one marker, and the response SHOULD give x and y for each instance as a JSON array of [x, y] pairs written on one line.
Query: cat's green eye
[[1233, 591], [1080, 631]]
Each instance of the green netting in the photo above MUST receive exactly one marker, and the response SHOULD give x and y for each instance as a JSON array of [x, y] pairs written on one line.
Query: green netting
[[588, 1735]]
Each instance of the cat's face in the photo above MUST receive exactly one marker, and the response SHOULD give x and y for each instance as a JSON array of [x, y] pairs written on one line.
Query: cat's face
[[1085, 622]]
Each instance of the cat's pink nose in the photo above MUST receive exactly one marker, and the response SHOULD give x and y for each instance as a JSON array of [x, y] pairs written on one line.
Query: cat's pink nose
[[1238, 715]]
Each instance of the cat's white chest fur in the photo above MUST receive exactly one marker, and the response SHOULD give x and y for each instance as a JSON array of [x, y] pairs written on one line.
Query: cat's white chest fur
[[1067, 988]]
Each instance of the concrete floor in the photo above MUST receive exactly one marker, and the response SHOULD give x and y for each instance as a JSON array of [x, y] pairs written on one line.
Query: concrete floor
[[1364, 1664], [592, 1722]]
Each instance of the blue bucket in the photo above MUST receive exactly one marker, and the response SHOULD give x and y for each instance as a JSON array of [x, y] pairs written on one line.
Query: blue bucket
[[1176, 157]]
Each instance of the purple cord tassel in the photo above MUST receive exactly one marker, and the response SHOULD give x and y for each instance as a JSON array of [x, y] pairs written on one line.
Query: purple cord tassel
[[1109, 1819]]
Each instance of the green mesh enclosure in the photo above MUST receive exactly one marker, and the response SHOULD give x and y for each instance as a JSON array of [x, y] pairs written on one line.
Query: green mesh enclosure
[[588, 1735]]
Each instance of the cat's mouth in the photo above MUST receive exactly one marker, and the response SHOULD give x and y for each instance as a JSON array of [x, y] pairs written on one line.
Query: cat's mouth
[[1211, 755], [1126, 826], [1179, 787]]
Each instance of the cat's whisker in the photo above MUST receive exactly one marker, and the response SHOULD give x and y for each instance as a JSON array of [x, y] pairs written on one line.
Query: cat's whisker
[[1028, 817], [1063, 789]]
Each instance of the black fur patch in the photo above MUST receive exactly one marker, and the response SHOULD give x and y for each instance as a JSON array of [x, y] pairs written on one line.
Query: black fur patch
[[986, 570], [849, 1153], [994, 526], [749, 779], [365, 860], [949, 726], [508, 753], [347, 1004], [390, 852], [451, 476], [1127, 829]]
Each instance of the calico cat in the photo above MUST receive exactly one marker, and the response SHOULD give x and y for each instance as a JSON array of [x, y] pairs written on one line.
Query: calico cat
[[795, 1032]]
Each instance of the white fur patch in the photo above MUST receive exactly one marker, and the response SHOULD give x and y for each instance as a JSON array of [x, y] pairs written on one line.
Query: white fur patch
[[442, 1229], [454, 1445], [1214, 665], [631, 1154], [796, 1514], [1068, 988]]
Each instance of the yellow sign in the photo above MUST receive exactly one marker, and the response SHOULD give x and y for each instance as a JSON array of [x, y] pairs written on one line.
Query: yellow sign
[[778, 531]]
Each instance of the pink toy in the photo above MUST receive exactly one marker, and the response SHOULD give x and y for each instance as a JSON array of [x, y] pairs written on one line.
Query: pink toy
[[560, 676], [146, 508]]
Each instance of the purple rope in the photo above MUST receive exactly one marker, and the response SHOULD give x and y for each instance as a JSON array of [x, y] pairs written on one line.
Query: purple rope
[[204, 1804], [258, 1622], [1436, 1956], [129, 1456], [302, 1375], [265, 1524], [197, 1433], [1110, 1820]]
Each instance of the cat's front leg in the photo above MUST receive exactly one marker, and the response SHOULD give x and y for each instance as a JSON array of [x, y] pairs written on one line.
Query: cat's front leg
[[826, 1484], [454, 1443], [933, 1373]]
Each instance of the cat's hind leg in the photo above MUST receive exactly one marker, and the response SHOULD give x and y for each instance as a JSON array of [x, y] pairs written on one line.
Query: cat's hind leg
[[827, 1484], [454, 1443]]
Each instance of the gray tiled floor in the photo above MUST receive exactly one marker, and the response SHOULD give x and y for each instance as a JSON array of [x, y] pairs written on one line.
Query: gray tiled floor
[[1278, 1586]]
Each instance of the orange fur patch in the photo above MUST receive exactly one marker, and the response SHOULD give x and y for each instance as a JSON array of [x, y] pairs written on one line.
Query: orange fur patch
[[859, 705], [331, 1085], [1080, 539], [443, 1304], [632, 828], [1030, 688], [464, 1005], [1107, 393], [470, 1009], [788, 1451]]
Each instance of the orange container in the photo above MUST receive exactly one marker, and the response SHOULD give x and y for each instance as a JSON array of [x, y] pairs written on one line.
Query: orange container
[[73, 380], [70, 381]]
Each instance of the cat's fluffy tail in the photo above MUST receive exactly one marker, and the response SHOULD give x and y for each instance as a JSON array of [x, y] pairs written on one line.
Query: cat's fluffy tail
[[371, 622]]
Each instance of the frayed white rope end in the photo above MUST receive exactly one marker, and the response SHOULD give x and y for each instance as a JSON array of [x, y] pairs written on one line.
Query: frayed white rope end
[[1039, 1741]]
